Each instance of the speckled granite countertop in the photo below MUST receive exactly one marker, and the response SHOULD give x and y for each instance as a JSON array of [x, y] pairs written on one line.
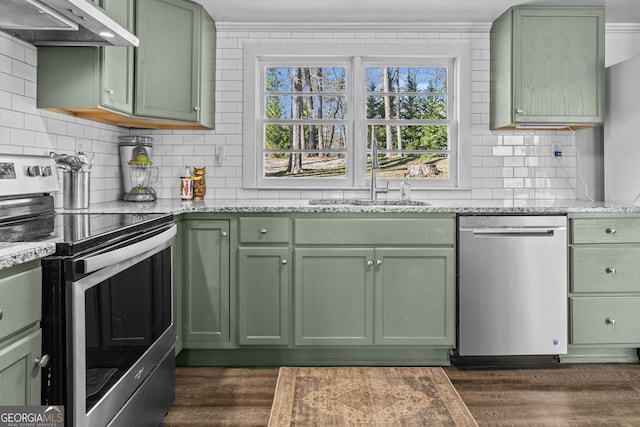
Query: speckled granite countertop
[[462, 207], [16, 253]]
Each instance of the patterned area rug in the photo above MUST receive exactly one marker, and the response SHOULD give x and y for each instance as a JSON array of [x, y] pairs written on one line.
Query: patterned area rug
[[367, 397]]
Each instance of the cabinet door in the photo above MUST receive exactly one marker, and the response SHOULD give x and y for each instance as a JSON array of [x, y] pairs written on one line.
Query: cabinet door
[[558, 65], [19, 374], [415, 296], [117, 61], [264, 295], [333, 296], [205, 272], [168, 59]]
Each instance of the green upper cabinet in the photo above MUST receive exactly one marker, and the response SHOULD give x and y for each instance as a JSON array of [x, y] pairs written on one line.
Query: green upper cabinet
[[116, 63], [168, 82], [547, 67], [175, 61]]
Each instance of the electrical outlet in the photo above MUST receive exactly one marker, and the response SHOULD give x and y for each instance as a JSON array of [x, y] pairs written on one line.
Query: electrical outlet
[[557, 151], [81, 146], [220, 156]]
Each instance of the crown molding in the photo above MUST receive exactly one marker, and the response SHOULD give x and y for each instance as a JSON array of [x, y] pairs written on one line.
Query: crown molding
[[429, 27], [622, 28], [381, 27]]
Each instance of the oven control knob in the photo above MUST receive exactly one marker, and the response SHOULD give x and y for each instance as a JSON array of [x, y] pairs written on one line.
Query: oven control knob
[[42, 361], [34, 171], [47, 171]]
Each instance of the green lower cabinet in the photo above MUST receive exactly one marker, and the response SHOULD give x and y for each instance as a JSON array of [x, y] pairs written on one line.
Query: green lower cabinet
[[264, 297], [205, 283], [19, 373], [415, 296], [333, 296], [605, 320]]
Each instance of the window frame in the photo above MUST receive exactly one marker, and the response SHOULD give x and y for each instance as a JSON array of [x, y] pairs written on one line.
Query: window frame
[[457, 56]]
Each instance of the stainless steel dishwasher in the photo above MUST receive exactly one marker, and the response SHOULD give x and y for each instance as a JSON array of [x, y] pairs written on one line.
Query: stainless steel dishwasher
[[512, 285]]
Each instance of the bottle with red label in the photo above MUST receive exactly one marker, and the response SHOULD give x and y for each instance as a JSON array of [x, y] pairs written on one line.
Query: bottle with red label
[[186, 185]]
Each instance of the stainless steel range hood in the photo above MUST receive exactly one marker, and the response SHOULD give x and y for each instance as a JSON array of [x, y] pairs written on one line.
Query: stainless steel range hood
[[62, 22]]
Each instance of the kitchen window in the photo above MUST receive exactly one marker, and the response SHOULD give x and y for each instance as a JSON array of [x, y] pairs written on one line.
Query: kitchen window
[[314, 115]]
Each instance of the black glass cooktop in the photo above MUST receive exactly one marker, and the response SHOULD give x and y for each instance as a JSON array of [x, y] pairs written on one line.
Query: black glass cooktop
[[78, 232]]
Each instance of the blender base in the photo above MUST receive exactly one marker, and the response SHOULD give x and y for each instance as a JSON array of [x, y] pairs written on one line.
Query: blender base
[[140, 195]]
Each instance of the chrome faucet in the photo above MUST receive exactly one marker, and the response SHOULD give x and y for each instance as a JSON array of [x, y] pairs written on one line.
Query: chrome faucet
[[373, 188]]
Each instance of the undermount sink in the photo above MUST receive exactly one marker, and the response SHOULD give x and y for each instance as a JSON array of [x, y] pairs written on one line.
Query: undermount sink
[[368, 202]]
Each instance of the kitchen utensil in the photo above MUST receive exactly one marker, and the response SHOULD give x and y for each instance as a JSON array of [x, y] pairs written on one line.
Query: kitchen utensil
[[76, 189]]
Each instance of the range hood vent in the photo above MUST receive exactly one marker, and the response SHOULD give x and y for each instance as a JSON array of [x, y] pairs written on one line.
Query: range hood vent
[[62, 23]]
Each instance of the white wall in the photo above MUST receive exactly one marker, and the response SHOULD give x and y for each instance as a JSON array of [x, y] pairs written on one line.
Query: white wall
[[621, 43], [505, 165]]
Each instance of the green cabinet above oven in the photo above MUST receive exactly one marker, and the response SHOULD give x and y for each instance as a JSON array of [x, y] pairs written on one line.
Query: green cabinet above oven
[[167, 82]]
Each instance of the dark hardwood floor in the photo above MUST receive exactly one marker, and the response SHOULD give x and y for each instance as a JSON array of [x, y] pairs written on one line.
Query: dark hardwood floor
[[571, 395]]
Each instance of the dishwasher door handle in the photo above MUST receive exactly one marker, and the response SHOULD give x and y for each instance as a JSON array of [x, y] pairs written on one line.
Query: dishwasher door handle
[[517, 232]]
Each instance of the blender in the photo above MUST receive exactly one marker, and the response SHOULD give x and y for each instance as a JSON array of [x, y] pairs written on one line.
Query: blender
[[130, 146], [140, 169]]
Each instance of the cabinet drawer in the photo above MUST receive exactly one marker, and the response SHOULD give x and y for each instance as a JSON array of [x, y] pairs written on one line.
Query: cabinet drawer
[[264, 230], [605, 230], [605, 269], [375, 231], [605, 320], [20, 301]]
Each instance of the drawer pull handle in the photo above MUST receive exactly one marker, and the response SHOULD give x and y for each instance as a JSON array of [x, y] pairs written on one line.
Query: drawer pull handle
[[0, 314], [284, 261], [610, 270], [610, 231], [611, 322], [263, 231], [369, 263], [42, 361]]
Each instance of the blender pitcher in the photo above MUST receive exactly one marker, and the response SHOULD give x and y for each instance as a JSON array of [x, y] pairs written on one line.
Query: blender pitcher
[[141, 178]]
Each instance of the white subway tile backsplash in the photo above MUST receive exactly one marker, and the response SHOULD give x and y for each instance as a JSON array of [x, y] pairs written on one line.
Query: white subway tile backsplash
[[506, 165]]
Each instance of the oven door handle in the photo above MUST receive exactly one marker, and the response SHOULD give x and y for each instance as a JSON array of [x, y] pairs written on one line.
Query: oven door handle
[[96, 262]]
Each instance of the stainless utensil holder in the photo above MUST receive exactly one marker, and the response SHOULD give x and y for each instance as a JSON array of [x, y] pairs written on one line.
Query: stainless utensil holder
[[76, 190]]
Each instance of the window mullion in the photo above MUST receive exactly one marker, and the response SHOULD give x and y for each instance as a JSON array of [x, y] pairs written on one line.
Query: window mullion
[[359, 145]]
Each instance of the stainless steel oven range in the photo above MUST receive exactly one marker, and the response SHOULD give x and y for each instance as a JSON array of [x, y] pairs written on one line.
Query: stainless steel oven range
[[107, 299]]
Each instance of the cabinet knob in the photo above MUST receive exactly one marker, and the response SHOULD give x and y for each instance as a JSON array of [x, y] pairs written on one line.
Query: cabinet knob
[[42, 361], [369, 263], [263, 231], [610, 321], [519, 111], [610, 270], [379, 262], [284, 261], [223, 234], [610, 231], [109, 91], [196, 108]]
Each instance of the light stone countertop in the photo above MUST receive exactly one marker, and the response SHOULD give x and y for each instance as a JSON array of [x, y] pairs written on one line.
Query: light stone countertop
[[15, 253], [461, 207]]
